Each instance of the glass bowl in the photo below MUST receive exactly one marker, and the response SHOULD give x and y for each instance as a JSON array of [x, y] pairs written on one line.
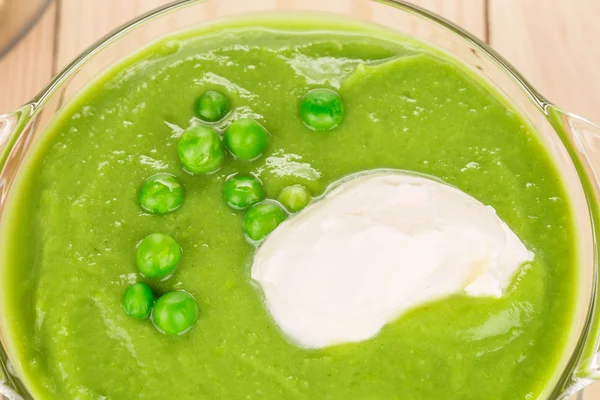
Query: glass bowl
[[572, 142]]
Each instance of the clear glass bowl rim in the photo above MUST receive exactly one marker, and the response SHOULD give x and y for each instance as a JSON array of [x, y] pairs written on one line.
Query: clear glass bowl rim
[[122, 30]]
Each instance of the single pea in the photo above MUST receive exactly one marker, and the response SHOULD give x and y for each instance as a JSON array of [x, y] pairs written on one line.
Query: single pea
[[138, 300], [161, 194], [200, 150], [157, 256], [262, 219], [213, 106], [322, 109], [294, 197], [174, 313], [241, 192], [246, 139]]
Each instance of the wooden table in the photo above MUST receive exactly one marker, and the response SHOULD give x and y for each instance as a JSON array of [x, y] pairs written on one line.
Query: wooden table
[[554, 43]]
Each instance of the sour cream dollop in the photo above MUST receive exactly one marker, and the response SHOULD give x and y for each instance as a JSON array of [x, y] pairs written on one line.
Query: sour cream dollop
[[376, 246]]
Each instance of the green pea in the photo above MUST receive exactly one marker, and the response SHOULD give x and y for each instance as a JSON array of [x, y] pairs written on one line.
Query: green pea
[[262, 219], [200, 150], [174, 313], [322, 109], [241, 192], [157, 256], [246, 139], [294, 197], [213, 106], [138, 300], [161, 194]]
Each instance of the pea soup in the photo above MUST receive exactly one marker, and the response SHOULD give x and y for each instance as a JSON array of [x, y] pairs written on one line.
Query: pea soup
[[129, 237]]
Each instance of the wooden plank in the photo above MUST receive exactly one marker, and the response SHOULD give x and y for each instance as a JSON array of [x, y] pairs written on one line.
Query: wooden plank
[[28, 67], [554, 43], [468, 14], [84, 22], [592, 393], [16, 16]]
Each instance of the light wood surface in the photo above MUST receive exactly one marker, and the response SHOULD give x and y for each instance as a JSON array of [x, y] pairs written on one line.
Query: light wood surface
[[554, 43], [28, 67]]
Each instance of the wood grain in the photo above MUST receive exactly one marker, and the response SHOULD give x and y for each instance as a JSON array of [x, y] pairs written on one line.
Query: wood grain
[[554, 43], [469, 14], [84, 22], [28, 67]]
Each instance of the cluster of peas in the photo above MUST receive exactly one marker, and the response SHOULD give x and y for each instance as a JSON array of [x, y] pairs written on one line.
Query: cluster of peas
[[201, 151]]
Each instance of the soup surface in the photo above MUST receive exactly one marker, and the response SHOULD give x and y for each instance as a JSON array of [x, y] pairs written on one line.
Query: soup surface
[[73, 221]]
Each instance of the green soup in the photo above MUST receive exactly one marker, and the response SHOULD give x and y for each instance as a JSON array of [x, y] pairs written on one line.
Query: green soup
[[73, 221]]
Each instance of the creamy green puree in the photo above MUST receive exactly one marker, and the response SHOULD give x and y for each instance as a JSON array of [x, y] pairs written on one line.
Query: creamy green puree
[[73, 222]]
